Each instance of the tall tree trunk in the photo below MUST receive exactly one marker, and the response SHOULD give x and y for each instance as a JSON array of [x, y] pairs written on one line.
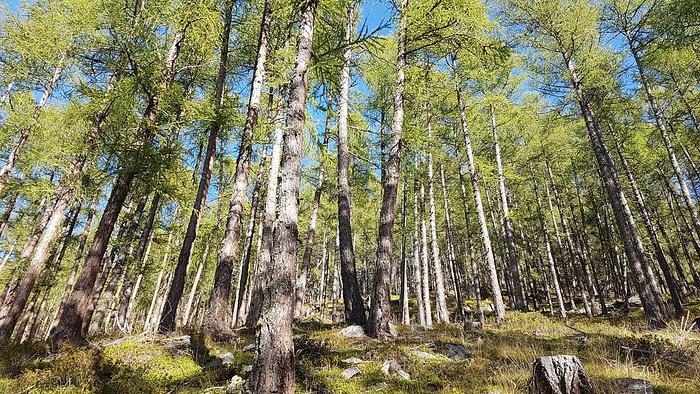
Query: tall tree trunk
[[152, 310], [273, 370], [264, 254], [491, 262], [654, 307], [175, 293], [17, 291], [239, 312], [354, 306], [417, 271], [662, 126], [380, 313], [450, 246], [476, 278], [518, 295], [548, 246], [651, 230], [12, 158], [138, 256], [193, 290], [76, 308], [443, 314], [8, 212], [74, 270], [311, 233], [216, 321], [425, 253], [405, 312]]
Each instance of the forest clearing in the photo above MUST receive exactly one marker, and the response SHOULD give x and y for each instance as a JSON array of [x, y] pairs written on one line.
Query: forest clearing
[[349, 196]]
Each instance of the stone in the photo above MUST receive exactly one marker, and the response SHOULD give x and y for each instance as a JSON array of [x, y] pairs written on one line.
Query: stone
[[353, 360], [353, 331], [235, 386], [633, 386], [250, 347], [391, 367], [226, 358], [350, 372], [457, 352], [473, 326], [423, 355], [404, 374], [393, 331], [635, 301], [246, 369], [562, 374]]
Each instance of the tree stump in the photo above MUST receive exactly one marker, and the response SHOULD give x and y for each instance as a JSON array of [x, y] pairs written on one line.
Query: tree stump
[[560, 374]]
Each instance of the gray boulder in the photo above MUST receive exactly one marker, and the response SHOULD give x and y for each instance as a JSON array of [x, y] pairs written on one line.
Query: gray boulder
[[350, 372], [633, 386], [457, 352], [560, 374], [353, 331]]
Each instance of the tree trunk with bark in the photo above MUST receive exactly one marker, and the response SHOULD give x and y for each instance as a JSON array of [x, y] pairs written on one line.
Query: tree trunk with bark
[[76, 308], [651, 230], [654, 307], [486, 240], [518, 295], [311, 232], [273, 370], [380, 313], [216, 321], [354, 306]]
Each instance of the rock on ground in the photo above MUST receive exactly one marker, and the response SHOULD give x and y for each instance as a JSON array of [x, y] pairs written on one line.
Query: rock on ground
[[353, 331], [350, 372], [562, 374], [393, 368], [457, 352], [633, 386], [423, 355]]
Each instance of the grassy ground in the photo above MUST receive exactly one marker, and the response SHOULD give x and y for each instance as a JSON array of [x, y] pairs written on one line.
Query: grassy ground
[[501, 359]]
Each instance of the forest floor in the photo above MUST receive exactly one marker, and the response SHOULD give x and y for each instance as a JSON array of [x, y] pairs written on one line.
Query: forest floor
[[500, 358]]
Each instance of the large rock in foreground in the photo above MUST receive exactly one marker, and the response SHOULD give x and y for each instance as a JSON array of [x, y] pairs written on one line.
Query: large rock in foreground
[[561, 374]]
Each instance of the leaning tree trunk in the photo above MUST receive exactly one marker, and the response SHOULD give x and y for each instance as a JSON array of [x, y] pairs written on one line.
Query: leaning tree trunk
[[168, 318], [17, 291], [76, 308], [380, 313], [491, 262], [354, 306], [216, 321], [131, 275], [662, 126], [518, 295], [654, 307], [273, 370], [12, 158], [651, 230]]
